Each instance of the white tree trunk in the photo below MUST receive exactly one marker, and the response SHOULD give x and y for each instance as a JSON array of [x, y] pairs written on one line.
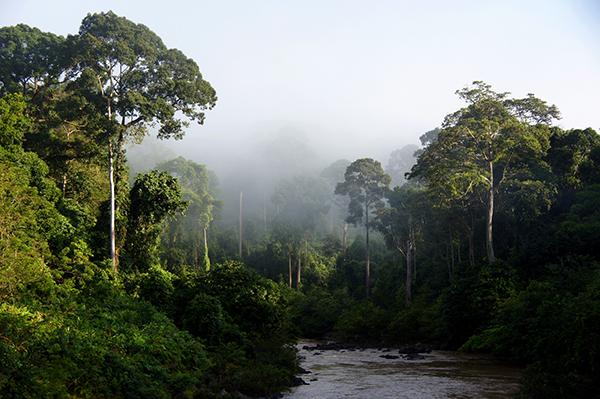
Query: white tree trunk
[[111, 181], [290, 269], [241, 224], [409, 276], [490, 218], [299, 272], [368, 266]]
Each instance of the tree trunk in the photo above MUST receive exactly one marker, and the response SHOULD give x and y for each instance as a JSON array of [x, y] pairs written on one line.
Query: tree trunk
[[206, 258], [414, 259], [368, 267], [172, 239], [299, 272], [241, 224], [111, 182], [265, 213], [490, 218], [344, 238], [409, 276], [413, 242], [290, 268]]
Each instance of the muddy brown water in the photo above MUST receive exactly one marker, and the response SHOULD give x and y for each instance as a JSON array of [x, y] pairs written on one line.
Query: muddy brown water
[[364, 374]]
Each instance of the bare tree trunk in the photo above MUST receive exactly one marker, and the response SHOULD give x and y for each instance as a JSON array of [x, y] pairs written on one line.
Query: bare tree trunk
[[172, 234], [111, 182], [265, 212], [368, 268], [344, 238], [409, 276], [490, 218], [413, 241], [414, 258], [206, 259], [299, 272], [290, 268], [241, 224]]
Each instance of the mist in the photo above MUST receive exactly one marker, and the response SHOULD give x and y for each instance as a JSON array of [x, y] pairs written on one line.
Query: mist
[[303, 85]]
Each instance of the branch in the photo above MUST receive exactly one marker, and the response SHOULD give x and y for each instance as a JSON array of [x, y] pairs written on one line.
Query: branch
[[100, 85], [504, 171], [134, 121], [482, 153]]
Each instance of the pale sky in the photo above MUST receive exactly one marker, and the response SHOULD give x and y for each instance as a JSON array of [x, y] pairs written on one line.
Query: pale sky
[[357, 78]]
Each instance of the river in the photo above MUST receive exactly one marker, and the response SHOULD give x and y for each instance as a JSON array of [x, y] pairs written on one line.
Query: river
[[362, 373]]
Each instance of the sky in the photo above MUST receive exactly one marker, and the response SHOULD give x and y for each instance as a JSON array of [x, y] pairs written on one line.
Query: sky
[[355, 78]]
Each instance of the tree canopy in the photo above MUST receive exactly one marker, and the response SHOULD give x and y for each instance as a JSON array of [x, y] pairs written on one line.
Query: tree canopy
[[491, 143]]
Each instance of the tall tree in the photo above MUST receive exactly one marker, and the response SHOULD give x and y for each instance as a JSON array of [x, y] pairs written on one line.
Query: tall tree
[[135, 81], [399, 224], [365, 183], [333, 174], [481, 147]]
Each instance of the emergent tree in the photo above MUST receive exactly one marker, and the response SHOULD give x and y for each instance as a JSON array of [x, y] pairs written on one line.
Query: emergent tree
[[487, 145], [365, 183], [135, 81]]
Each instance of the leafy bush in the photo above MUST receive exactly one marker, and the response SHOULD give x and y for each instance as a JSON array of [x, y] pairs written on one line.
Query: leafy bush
[[315, 312], [156, 286], [420, 322], [365, 321], [204, 317], [99, 346], [557, 332]]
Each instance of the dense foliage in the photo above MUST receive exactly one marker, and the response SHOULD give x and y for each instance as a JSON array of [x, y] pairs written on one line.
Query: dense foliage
[[118, 287], [70, 325]]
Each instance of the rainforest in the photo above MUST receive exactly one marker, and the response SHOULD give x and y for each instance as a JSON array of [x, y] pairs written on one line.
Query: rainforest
[[129, 269]]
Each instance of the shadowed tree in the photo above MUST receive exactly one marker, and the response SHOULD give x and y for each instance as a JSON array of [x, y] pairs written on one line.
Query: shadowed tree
[[365, 183], [571, 156], [399, 224]]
